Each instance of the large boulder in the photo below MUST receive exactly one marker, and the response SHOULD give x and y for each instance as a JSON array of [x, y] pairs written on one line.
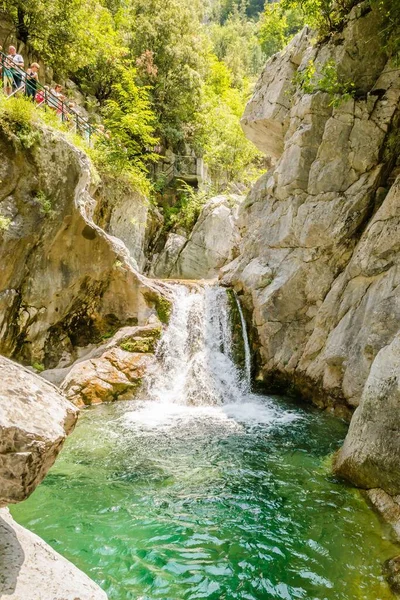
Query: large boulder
[[370, 456], [31, 570], [211, 244], [114, 371], [35, 419]]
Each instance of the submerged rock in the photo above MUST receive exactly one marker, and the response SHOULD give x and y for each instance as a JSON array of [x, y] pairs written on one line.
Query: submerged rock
[[31, 570], [35, 420], [391, 570]]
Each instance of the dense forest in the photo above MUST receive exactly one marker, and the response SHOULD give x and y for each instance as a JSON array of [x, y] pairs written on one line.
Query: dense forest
[[174, 73]]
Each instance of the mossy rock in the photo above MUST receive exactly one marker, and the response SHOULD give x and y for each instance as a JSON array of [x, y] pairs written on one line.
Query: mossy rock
[[139, 344], [161, 304]]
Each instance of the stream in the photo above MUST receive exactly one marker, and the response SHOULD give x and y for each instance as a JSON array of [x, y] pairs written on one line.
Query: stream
[[201, 488]]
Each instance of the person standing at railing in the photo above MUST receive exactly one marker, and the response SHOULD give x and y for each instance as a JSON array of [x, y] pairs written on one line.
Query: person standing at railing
[[56, 98], [16, 62], [31, 81]]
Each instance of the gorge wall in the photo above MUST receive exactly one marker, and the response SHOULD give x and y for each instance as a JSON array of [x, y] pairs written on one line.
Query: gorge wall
[[318, 268], [86, 285]]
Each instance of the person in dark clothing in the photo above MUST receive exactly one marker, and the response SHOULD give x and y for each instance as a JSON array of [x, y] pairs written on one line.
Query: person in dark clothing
[[31, 81]]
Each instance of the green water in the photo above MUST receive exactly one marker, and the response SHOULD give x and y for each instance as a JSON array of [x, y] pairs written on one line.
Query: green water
[[177, 503]]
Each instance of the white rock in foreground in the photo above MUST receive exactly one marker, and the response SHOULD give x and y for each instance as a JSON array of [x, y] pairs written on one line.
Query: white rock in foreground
[[32, 570], [35, 419]]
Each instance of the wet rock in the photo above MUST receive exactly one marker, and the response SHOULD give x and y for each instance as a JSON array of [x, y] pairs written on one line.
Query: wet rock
[[387, 506], [35, 420], [391, 570]]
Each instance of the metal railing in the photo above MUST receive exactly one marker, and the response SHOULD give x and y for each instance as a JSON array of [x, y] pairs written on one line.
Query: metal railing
[[47, 98]]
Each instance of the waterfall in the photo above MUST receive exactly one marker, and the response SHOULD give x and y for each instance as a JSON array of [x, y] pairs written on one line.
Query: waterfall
[[195, 363], [247, 353]]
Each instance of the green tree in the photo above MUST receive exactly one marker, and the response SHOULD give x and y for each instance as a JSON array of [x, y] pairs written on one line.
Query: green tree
[[227, 152], [67, 35], [236, 44], [130, 122], [171, 31], [278, 25]]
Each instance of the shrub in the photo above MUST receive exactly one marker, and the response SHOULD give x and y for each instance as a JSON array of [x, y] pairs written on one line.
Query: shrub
[[17, 119], [310, 81]]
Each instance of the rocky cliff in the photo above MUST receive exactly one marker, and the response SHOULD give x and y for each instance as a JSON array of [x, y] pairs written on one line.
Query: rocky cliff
[[85, 284], [319, 258]]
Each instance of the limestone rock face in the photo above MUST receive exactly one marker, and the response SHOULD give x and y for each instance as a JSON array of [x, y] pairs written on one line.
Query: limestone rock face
[[113, 371], [31, 570], [266, 118], [211, 244], [319, 261], [371, 451], [128, 215], [64, 283], [165, 262], [35, 419]]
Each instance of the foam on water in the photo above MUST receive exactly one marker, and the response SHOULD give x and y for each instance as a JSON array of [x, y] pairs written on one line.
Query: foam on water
[[196, 376]]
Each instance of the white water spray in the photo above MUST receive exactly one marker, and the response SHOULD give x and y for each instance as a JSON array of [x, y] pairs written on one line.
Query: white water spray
[[195, 361]]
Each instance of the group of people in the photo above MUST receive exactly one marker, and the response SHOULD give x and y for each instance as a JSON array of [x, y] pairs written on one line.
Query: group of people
[[15, 79]]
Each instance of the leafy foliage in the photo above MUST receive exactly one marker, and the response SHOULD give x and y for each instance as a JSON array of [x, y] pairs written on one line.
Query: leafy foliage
[[227, 152], [327, 80], [68, 35], [279, 24], [17, 116], [45, 203], [130, 121], [184, 214]]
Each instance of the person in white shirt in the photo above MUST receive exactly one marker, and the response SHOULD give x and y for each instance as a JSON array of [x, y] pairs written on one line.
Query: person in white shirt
[[15, 62]]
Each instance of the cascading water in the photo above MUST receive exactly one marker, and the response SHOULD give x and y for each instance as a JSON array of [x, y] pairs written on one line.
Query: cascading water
[[247, 352], [195, 360], [203, 489]]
